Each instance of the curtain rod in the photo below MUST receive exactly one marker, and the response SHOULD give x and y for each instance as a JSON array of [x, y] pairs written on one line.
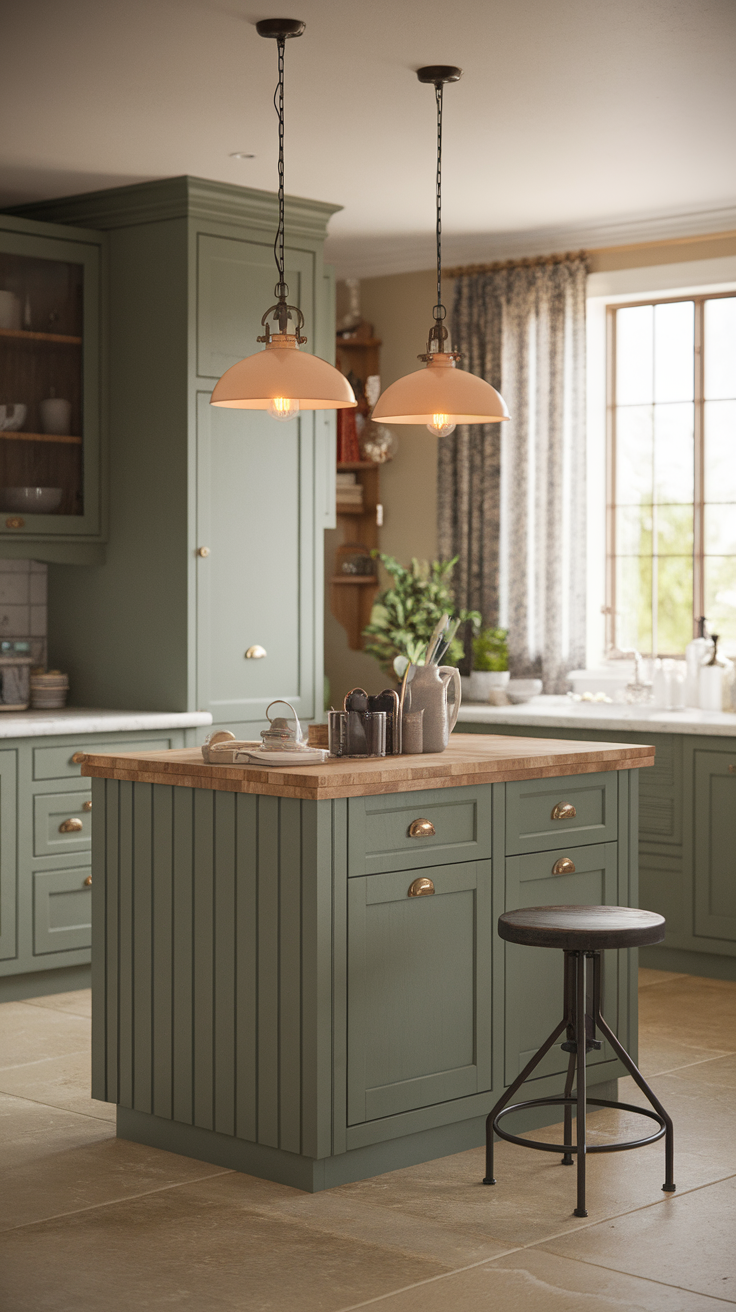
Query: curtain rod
[[527, 261]]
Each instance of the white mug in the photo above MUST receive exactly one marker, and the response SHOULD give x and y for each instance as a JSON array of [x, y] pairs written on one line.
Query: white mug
[[9, 310], [12, 417], [56, 415]]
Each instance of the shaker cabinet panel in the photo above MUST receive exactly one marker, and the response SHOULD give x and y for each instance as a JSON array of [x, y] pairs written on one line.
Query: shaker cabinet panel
[[419, 989], [255, 514], [383, 833], [8, 858], [714, 845], [578, 809], [534, 1002], [62, 910]]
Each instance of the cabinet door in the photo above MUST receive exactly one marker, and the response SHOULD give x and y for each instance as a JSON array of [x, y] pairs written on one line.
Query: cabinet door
[[714, 844], [419, 989], [62, 910], [534, 976], [8, 857]]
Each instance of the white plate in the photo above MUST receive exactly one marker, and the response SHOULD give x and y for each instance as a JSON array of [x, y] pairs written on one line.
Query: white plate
[[315, 756]]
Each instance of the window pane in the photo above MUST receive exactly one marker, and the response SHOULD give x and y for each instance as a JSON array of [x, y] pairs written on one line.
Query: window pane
[[720, 530], [674, 603], [674, 360], [720, 599], [634, 603], [634, 455], [720, 347], [675, 530], [634, 531], [634, 355], [720, 450], [673, 452]]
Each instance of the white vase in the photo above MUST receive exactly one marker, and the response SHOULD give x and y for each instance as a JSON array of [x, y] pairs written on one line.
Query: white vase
[[55, 415], [484, 682]]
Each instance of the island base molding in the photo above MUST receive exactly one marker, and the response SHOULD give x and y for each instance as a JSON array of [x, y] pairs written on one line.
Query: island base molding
[[708, 965], [314, 1174]]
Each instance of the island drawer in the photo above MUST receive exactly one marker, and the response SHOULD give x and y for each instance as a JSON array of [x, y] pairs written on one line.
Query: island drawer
[[60, 762], [405, 831], [62, 910], [62, 822], [544, 814]]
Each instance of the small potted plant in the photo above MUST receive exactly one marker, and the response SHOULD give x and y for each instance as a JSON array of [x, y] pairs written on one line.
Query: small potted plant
[[490, 664]]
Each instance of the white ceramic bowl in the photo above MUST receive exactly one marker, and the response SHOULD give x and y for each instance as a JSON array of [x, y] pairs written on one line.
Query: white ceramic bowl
[[31, 500], [522, 690]]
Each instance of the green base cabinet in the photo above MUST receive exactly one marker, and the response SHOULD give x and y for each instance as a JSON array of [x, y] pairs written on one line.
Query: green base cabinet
[[687, 842], [268, 995]]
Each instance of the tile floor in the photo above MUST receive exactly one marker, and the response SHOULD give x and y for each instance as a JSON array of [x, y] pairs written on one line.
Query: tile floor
[[91, 1223]]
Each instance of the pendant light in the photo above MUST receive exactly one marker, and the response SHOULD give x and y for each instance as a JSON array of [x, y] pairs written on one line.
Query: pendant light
[[440, 395], [281, 379]]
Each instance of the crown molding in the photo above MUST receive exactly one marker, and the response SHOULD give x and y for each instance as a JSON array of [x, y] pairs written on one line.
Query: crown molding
[[371, 257], [181, 198]]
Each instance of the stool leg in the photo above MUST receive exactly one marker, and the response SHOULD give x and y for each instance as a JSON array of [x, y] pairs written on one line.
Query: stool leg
[[567, 1160], [580, 1037], [669, 1185], [508, 1095]]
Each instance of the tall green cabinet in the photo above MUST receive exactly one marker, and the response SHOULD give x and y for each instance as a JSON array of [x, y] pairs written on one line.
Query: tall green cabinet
[[216, 517]]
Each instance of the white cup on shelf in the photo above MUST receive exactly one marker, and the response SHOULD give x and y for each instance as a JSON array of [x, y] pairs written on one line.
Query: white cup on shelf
[[56, 415]]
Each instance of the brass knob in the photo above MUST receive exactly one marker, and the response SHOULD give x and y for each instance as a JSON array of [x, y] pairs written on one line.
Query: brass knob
[[203, 551], [255, 653], [86, 806], [88, 882], [77, 758], [421, 888], [71, 826], [732, 769], [15, 522], [421, 829], [564, 866], [564, 811]]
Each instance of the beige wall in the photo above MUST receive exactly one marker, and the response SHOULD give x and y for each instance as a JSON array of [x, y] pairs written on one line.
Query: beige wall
[[400, 308]]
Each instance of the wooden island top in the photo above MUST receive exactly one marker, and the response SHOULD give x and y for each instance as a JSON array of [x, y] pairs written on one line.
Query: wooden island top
[[469, 759]]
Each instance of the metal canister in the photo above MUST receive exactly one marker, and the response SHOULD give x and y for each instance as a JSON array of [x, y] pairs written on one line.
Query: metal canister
[[337, 732]]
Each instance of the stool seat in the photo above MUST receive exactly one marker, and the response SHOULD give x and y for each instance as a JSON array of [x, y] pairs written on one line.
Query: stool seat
[[582, 929]]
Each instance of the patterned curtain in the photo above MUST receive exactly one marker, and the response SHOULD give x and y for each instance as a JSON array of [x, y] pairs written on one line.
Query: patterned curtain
[[511, 496]]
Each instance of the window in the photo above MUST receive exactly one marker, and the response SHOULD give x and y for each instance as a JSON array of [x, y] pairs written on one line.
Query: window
[[671, 499]]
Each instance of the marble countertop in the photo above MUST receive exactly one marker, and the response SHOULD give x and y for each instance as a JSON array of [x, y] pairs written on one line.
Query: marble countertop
[[74, 719], [561, 712]]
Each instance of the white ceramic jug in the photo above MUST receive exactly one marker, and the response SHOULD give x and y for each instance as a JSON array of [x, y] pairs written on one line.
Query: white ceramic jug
[[427, 688]]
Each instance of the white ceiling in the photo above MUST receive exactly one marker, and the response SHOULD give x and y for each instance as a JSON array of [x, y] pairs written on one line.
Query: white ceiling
[[575, 120]]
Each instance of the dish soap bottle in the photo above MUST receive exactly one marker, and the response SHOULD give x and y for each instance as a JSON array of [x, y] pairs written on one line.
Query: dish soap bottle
[[714, 681], [696, 652]]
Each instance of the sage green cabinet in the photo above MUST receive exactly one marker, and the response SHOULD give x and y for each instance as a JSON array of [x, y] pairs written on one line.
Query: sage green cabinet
[[714, 836], [419, 989], [8, 873], [216, 517]]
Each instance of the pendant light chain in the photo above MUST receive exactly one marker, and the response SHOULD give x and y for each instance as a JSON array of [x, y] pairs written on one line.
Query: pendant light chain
[[278, 100], [439, 309]]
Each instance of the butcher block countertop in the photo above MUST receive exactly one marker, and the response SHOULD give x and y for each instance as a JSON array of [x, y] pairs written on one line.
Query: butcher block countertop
[[469, 759]]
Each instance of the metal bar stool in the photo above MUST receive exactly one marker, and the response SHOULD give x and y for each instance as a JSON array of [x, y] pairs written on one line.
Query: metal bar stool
[[582, 933]]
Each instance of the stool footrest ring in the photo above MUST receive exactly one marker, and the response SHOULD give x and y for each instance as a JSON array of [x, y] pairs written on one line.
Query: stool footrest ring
[[571, 1147]]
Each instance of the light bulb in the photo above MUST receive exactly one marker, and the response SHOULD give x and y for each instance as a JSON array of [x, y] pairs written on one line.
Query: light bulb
[[441, 426], [283, 408]]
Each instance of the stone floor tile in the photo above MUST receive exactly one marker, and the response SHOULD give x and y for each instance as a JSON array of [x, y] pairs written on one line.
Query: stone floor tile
[[32, 1034], [660, 1054], [688, 1242], [648, 977], [698, 1012], [58, 1081], [78, 1002], [181, 1248], [703, 1113], [719, 1071], [536, 1281]]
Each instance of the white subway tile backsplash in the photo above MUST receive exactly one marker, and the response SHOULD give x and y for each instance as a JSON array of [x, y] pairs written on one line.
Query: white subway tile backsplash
[[37, 589], [14, 589], [37, 627], [15, 621], [16, 566]]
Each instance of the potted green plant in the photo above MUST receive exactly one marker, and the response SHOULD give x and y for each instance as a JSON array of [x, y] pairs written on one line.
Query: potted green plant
[[490, 663], [404, 616]]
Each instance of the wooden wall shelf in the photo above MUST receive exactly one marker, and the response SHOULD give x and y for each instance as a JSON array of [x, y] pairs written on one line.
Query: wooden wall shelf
[[10, 435], [356, 578], [23, 334]]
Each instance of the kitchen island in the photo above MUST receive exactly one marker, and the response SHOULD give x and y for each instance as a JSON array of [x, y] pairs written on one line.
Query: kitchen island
[[296, 971], [687, 831]]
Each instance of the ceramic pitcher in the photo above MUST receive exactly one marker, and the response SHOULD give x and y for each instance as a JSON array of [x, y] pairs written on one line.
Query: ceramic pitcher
[[427, 689]]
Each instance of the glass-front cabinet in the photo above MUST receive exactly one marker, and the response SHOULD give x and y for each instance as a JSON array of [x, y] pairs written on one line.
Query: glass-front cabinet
[[49, 383]]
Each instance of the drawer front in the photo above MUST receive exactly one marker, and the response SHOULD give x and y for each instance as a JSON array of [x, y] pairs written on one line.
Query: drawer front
[[62, 910], [62, 822], [59, 763], [583, 876], [385, 833], [543, 814]]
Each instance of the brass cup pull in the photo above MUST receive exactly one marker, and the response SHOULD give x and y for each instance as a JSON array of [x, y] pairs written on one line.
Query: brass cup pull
[[564, 866], [255, 653], [71, 826], [564, 811], [732, 769], [15, 522], [421, 829], [88, 882], [77, 758], [86, 806], [421, 888], [203, 552]]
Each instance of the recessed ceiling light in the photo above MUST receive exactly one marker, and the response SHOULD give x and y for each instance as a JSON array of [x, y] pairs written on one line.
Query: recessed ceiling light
[[240, 154]]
